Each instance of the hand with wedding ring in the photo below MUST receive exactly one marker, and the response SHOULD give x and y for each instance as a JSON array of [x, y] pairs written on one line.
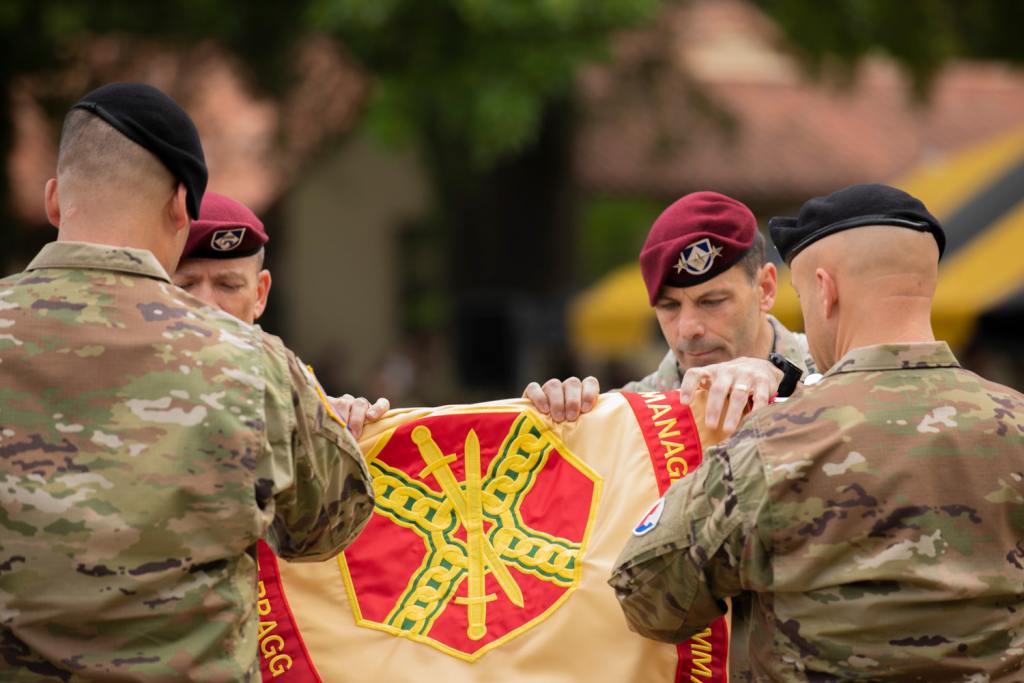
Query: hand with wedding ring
[[739, 382]]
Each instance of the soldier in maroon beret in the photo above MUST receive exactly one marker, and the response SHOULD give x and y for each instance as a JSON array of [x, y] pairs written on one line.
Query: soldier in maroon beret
[[703, 263], [222, 265]]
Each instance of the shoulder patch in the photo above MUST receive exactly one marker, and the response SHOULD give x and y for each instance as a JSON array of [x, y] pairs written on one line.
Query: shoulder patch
[[650, 520]]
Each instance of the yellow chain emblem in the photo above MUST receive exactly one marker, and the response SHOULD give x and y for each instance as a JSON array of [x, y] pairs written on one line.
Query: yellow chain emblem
[[492, 499]]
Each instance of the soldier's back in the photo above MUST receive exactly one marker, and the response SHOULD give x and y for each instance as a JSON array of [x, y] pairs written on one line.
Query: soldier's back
[[892, 525], [131, 421]]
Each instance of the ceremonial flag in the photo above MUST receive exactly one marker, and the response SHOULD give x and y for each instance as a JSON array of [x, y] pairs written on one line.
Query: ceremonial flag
[[486, 559]]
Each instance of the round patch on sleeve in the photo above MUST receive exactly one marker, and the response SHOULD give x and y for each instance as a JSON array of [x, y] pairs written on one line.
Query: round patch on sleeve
[[650, 520]]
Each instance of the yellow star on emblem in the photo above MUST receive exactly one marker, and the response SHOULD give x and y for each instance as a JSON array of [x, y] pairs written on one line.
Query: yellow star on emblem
[[681, 264]]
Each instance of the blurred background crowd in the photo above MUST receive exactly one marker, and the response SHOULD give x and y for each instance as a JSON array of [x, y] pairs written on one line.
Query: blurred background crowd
[[456, 191]]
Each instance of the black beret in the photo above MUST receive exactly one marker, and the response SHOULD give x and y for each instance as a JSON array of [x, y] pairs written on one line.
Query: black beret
[[151, 119], [852, 207]]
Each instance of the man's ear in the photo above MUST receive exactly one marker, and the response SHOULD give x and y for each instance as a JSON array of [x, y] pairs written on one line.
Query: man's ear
[[828, 294], [52, 202], [767, 286], [177, 209], [262, 291]]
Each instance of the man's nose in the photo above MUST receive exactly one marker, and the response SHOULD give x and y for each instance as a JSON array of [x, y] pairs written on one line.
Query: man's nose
[[204, 292], [690, 326]]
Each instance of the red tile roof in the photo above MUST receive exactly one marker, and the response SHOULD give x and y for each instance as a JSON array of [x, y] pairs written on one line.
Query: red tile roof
[[705, 97]]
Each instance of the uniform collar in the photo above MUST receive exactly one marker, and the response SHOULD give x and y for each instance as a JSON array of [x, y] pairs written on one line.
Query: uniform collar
[[84, 255], [786, 344], [669, 367], [896, 357]]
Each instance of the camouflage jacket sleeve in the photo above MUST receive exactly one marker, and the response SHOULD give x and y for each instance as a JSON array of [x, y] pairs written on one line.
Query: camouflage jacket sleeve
[[313, 485], [673, 580]]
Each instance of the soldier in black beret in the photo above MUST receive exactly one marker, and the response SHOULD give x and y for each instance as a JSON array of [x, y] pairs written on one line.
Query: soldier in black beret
[[152, 120], [852, 207], [148, 439], [851, 516]]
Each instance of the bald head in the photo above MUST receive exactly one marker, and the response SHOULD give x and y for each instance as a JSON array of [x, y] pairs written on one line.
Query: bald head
[[902, 262], [865, 286]]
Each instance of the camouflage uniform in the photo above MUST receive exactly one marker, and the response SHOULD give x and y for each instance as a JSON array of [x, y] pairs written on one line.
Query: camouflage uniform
[[146, 441], [875, 520], [667, 377]]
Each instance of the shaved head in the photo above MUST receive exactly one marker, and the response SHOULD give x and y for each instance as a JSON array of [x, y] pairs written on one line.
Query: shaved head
[[94, 160], [902, 262], [110, 190], [864, 286]]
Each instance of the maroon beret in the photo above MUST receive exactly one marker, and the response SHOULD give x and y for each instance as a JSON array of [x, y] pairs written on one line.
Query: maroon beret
[[699, 236], [225, 229]]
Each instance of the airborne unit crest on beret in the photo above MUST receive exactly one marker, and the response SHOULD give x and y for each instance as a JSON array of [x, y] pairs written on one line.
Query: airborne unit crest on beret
[[697, 258], [226, 240], [225, 229]]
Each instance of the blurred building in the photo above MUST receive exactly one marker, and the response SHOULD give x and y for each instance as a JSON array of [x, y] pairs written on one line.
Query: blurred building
[[705, 97]]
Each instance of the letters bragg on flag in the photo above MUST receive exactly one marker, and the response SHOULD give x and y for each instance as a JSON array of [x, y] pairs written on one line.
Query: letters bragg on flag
[[493, 534]]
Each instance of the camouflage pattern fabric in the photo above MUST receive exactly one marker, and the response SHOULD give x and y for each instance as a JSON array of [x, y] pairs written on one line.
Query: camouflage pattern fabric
[[146, 442], [874, 520], [668, 377]]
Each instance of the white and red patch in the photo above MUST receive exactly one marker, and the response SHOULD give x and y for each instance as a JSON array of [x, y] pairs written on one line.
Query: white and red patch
[[651, 519]]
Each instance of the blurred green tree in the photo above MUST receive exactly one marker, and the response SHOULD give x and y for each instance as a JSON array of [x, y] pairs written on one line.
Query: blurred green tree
[[920, 34], [472, 82], [483, 90], [42, 38], [478, 74]]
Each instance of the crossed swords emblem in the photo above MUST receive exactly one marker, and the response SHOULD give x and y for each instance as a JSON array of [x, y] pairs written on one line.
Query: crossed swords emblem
[[490, 496], [469, 509]]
